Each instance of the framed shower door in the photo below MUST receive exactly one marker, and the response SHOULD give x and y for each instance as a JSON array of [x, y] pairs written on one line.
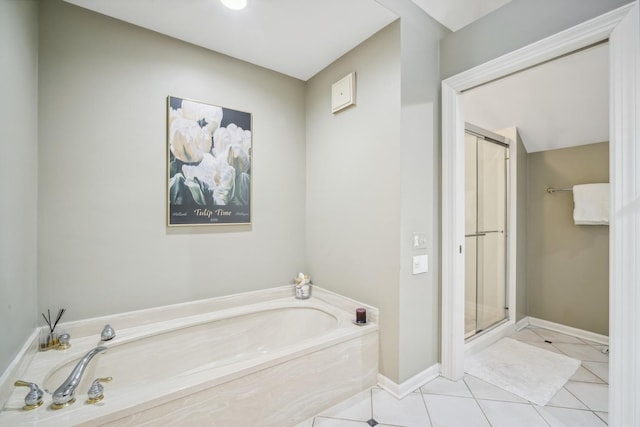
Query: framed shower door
[[486, 202]]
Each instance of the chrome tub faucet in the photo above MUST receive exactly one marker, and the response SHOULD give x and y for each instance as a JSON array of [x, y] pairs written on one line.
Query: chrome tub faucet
[[64, 395]]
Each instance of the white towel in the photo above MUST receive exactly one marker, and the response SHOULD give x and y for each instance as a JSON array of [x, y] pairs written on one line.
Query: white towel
[[591, 204]]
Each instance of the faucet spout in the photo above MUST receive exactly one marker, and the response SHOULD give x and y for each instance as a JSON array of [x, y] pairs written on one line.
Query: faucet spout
[[64, 395]]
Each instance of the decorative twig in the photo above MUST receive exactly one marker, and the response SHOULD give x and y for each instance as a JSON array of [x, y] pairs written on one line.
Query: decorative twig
[[60, 313], [45, 319]]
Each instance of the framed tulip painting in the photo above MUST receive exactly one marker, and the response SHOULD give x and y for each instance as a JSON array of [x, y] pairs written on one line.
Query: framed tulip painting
[[209, 164]]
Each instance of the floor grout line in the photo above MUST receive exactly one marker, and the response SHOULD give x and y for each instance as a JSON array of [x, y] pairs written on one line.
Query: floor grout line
[[603, 420], [426, 407], [541, 416], [483, 413], [579, 400], [596, 375], [449, 395]]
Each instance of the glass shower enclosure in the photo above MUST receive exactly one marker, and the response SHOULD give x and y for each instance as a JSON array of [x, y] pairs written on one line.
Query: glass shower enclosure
[[486, 203]]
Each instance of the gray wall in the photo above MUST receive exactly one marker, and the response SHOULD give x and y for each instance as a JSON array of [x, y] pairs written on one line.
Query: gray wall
[[103, 244], [353, 172], [515, 25], [18, 174], [373, 180], [568, 264], [419, 308]]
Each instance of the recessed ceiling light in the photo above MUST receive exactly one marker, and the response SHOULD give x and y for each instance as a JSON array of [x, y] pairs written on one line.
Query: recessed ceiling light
[[235, 4]]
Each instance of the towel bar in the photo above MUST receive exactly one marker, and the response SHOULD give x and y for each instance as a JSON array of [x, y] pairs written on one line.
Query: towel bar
[[553, 190]]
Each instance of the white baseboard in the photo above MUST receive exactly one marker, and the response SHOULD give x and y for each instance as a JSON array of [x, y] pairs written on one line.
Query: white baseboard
[[569, 330], [402, 390], [522, 323]]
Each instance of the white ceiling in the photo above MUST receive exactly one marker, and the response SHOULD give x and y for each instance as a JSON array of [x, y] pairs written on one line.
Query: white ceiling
[[294, 37], [560, 104], [298, 38]]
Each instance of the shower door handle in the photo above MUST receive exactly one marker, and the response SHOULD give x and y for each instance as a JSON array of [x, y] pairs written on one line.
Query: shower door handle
[[475, 235], [483, 233]]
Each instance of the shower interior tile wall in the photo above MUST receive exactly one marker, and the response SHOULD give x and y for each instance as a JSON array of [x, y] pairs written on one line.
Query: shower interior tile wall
[[471, 402]]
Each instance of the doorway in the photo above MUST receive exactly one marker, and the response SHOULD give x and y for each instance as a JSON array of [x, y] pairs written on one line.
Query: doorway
[[621, 28]]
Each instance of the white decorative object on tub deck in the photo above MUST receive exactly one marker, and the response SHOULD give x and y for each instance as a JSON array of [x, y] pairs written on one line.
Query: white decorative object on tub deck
[[261, 358], [591, 204], [303, 286]]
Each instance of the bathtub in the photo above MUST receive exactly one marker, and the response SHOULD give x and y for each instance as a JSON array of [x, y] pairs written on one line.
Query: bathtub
[[257, 359]]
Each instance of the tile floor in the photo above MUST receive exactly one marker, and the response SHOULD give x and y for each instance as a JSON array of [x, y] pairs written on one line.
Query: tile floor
[[471, 402]]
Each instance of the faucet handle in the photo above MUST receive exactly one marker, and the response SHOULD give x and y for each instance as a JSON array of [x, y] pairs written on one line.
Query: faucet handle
[[108, 333], [33, 399], [63, 341], [96, 391]]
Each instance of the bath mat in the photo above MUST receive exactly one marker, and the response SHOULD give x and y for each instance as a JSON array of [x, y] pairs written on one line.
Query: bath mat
[[533, 373]]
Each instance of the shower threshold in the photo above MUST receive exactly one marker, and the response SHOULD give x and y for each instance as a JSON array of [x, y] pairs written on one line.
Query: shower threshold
[[472, 335]]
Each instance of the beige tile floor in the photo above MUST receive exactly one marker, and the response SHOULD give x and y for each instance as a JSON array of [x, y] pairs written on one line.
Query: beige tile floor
[[471, 402]]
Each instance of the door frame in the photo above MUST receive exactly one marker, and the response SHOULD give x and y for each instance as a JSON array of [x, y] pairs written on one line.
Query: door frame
[[625, 195]]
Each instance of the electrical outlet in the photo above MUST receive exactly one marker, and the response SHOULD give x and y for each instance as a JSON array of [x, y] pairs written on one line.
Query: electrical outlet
[[420, 264]]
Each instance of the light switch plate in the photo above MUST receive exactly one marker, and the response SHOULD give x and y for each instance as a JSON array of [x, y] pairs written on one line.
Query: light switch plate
[[420, 264], [343, 92], [419, 241]]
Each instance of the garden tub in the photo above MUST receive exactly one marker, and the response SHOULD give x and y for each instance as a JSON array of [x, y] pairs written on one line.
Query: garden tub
[[257, 359]]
